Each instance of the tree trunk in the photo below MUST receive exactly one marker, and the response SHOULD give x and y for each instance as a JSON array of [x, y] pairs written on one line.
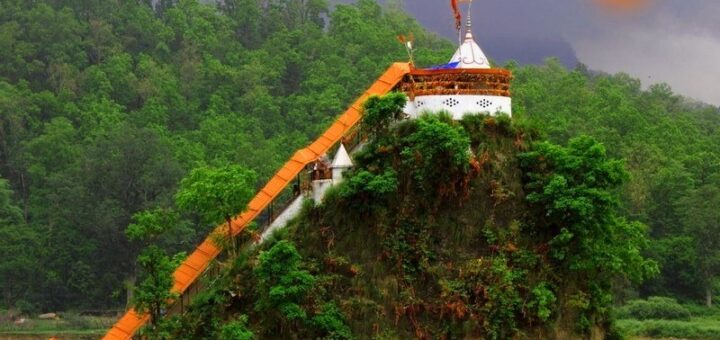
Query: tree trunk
[[26, 204], [130, 289], [708, 295]]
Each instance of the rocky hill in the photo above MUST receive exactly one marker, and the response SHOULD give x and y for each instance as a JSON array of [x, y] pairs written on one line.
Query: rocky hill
[[444, 229]]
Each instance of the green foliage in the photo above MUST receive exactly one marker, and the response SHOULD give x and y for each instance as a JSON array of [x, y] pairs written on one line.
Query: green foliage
[[165, 328], [493, 285], [216, 194], [282, 283], [105, 105], [19, 246], [149, 224], [153, 293], [438, 151], [654, 307], [663, 329], [409, 246], [380, 112], [543, 300], [236, 330], [670, 144], [430, 156], [701, 222], [572, 187], [9, 213], [331, 323], [25, 308], [369, 185]]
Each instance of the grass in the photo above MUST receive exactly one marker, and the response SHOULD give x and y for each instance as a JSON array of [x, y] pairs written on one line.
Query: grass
[[69, 325], [695, 328], [642, 319]]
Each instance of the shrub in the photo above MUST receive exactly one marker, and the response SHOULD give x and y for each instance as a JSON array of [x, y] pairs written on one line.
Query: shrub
[[499, 300], [696, 329], [236, 330], [25, 307], [703, 311], [76, 321], [331, 322], [504, 124], [380, 112], [282, 284], [437, 155], [438, 146], [543, 301], [370, 185], [654, 308]]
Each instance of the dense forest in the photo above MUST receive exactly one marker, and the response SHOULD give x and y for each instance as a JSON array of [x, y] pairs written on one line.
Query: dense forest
[[671, 147], [106, 106]]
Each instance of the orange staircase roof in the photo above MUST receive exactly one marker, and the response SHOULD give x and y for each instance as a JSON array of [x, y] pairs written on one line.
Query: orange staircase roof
[[195, 264]]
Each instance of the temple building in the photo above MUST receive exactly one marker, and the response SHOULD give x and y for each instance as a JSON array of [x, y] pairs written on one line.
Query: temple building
[[467, 84]]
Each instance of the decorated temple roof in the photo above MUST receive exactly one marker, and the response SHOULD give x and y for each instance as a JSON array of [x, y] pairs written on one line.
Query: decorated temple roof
[[469, 54]]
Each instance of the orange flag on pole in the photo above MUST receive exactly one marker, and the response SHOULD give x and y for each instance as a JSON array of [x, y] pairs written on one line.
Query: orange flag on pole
[[456, 13]]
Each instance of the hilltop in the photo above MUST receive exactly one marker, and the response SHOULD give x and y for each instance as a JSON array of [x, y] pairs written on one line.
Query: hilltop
[[443, 229]]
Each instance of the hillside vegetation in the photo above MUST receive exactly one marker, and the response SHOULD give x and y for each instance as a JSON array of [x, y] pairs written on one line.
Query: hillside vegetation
[[106, 106], [444, 229], [671, 148]]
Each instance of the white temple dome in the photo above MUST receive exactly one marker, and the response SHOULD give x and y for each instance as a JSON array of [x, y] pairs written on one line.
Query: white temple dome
[[469, 54]]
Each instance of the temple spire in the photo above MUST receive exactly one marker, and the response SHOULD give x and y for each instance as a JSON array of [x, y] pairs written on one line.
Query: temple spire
[[469, 54], [469, 19]]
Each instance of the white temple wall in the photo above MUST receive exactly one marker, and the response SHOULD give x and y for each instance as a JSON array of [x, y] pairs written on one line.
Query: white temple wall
[[288, 214], [337, 175], [458, 105], [319, 187]]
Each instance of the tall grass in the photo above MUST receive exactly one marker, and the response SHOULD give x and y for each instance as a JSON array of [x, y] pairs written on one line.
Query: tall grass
[[695, 328], [662, 317], [67, 322]]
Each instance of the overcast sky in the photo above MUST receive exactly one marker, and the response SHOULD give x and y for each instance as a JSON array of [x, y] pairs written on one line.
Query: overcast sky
[[673, 41]]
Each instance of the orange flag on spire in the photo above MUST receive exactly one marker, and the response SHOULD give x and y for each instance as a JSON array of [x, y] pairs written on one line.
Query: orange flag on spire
[[456, 13]]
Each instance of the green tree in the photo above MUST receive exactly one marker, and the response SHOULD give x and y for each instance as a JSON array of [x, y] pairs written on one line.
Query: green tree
[[19, 245], [571, 191], [380, 112], [438, 151], [217, 194], [104, 106], [10, 214], [153, 293], [331, 323], [236, 330], [701, 221], [282, 283]]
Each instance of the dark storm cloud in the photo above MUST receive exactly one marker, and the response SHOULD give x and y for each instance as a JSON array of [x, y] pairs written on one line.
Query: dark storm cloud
[[673, 41]]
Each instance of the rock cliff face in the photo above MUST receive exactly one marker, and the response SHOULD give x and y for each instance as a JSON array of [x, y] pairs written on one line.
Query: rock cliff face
[[434, 234]]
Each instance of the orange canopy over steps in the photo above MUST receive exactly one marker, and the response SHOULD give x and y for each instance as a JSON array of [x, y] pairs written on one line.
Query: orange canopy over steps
[[206, 252]]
